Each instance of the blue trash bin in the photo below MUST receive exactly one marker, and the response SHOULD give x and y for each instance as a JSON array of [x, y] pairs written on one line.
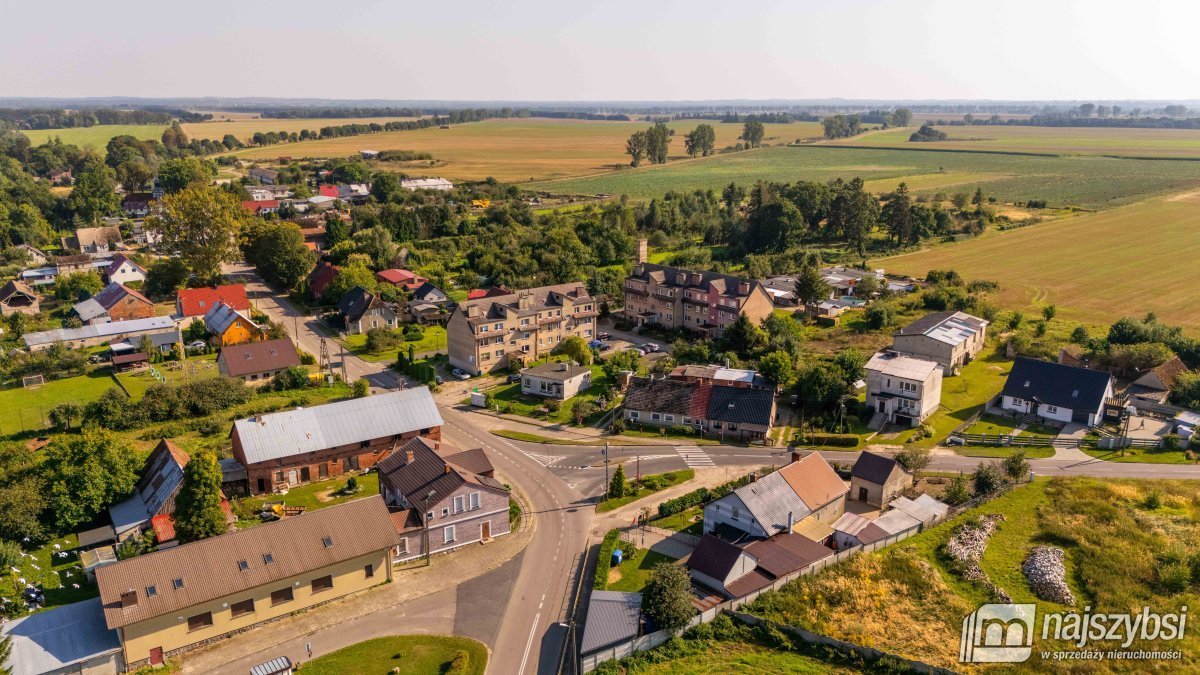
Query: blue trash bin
[[618, 556]]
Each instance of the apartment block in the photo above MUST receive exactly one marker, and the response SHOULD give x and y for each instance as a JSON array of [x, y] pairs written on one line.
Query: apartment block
[[702, 301]]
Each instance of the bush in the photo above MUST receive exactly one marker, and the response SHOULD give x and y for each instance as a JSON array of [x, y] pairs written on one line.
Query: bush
[[681, 429], [837, 440], [1152, 501], [1172, 442], [461, 663], [413, 333], [683, 502], [307, 359], [604, 563], [294, 377], [362, 388], [987, 479], [1174, 577], [381, 339], [618, 425], [957, 491]]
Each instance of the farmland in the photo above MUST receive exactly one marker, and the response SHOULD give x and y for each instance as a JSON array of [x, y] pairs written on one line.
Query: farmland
[[1096, 267], [516, 150], [1088, 182], [1171, 143], [97, 136], [244, 128]]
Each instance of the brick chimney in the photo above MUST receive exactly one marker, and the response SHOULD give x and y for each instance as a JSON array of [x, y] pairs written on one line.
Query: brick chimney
[[744, 288], [643, 251], [129, 599], [408, 456]]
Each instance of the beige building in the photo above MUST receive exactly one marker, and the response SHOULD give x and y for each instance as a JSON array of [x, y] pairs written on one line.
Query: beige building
[[555, 380], [701, 301], [164, 603], [952, 339], [902, 390], [516, 327], [877, 480]]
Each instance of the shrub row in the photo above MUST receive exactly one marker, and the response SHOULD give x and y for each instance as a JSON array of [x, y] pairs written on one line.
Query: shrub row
[[841, 440], [703, 495], [604, 562]]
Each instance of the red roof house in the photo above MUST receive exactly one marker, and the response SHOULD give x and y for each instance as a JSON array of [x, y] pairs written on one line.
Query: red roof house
[[164, 524], [320, 278], [261, 206], [403, 278], [199, 301], [327, 191]]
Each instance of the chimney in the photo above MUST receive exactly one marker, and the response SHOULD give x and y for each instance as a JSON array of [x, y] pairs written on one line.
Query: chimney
[[129, 599], [753, 476], [791, 521], [447, 468], [408, 457], [562, 367], [639, 269], [697, 278], [680, 278], [795, 455], [744, 288], [643, 252]]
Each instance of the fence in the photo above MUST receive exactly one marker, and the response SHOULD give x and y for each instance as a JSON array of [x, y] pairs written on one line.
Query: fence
[[589, 662], [1003, 440]]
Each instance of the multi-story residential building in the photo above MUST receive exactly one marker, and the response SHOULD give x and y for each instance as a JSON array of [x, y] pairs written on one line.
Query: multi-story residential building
[[901, 389], [499, 330], [952, 339], [167, 602], [702, 301]]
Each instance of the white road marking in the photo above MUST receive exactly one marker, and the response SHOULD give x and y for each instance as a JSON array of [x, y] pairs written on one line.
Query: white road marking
[[529, 642], [694, 457]]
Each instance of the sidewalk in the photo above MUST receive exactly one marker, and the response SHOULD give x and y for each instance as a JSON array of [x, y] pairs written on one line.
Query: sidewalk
[[494, 421], [626, 515], [409, 584]]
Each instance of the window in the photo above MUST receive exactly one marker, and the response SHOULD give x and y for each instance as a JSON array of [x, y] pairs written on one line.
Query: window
[[281, 596], [483, 329], [151, 591], [908, 386], [655, 416], [736, 512], [445, 512], [633, 414], [177, 583], [429, 516], [242, 608], [278, 476], [200, 621], [670, 418], [499, 326], [448, 533], [474, 500], [458, 504], [369, 571], [527, 382], [268, 558], [322, 583], [402, 547], [327, 541], [365, 444], [243, 565], [1051, 409]]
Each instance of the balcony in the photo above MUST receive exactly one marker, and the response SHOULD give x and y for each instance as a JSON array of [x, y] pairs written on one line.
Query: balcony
[[664, 296], [696, 301], [637, 291]]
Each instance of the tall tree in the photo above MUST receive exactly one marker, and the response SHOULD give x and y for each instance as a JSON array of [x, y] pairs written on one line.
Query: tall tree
[[701, 141], [810, 285], [201, 226], [897, 215], [94, 194], [901, 117], [616, 486], [198, 513], [277, 250], [177, 174], [752, 133], [635, 147], [658, 140], [853, 213], [667, 598], [86, 473]]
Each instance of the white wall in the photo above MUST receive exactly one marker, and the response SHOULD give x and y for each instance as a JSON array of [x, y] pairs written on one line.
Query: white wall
[[721, 511]]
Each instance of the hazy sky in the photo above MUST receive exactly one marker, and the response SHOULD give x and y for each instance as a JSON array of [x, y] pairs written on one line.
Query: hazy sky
[[610, 50]]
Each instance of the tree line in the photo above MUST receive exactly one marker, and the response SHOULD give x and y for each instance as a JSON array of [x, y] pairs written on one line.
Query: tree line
[[45, 118]]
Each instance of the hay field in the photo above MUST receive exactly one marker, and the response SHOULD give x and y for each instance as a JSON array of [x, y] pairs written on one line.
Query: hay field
[[245, 127], [1173, 143], [1089, 182], [97, 136], [1096, 267], [518, 150]]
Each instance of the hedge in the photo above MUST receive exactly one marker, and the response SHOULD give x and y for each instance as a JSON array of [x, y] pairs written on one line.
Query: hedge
[[604, 563], [703, 495], [842, 440]]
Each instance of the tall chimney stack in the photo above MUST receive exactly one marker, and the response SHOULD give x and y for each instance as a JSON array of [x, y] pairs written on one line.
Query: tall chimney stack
[[643, 251]]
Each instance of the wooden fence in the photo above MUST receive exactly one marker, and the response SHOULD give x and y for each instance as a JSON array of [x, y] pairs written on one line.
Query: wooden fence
[[1005, 440]]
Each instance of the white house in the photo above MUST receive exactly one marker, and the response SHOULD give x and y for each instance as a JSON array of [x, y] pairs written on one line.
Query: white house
[[555, 380], [1057, 392], [901, 389], [122, 270]]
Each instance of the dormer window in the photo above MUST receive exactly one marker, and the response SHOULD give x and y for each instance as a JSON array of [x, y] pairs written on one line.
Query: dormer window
[[268, 558], [177, 583], [151, 591], [243, 565], [327, 541]]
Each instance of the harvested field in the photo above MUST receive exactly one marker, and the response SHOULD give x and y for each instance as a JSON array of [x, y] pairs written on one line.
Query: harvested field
[[519, 150], [244, 128], [1173, 143]]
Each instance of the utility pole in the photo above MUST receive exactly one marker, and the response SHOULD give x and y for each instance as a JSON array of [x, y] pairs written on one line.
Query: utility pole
[[606, 469], [639, 467], [342, 353]]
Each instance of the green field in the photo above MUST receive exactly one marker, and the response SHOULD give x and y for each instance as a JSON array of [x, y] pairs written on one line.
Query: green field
[[634, 571], [515, 150], [98, 136], [401, 654], [24, 409], [1088, 182], [1172, 143], [1095, 267]]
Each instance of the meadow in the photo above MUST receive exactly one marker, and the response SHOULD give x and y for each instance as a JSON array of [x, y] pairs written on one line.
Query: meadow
[[1169, 143], [517, 150], [98, 136], [1095, 267], [1082, 181]]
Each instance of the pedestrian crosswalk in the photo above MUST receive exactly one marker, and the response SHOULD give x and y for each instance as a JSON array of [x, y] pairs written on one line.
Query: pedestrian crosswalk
[[694, 457]]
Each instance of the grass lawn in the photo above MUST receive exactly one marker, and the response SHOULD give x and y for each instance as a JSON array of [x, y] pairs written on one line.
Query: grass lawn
[[652, 483], [434, 339], [662, 432], [688, 521], [1034, 452], [194, 368], [995, 425], [510, 399], [964, 395], [538, 438], [306, 495], [403, 654], [1140, 455], [633, 572], [53, 575], [25, 409]]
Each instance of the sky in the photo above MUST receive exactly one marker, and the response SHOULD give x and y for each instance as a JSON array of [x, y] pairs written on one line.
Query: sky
[[616, 50]]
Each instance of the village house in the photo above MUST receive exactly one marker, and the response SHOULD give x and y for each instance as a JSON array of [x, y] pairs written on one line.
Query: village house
[[431, 294], [114, 302], [69, 264], [877, 480], [98, 334], [1052, 391], [65, 639], [414, 184], [263, 207], [262, 193], [401, 278], [701, 301], [843, 281], [952, 339], [162, 474], [713, 374], [453, 495], [196, 302], [257, 362], [353, 193], [555, 380], [292, 447], [137, 204], [231, 326], [1154, 384], [320, 278], [852, 530], [806, 497], [122, 270], [722, 566], [17, 297], [166, 602], [514, 327], [264, 176], [782, 290], [731, 413], [33, 255], [94, 240], [902, 390], [362, 310]]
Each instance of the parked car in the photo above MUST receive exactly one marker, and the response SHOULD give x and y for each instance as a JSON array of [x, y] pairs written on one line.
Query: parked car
[[649, 347], [604, 336], [197, 344], [514, 377], [460, 374], [595, 344], [604, 346], [437, 379]]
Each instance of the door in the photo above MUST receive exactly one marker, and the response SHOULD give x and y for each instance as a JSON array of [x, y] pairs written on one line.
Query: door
[[305, 475], [485, 530], [156, 656], [862, 494], [322, 471], [883, 406], [291, 477]]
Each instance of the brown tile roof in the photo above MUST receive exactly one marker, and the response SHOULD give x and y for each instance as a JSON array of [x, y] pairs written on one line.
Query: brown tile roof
[[661, 395], [787, 552], [722, 283], [320, 278], [873, 468], [209, 568], [199, 301], [747, 584], [474, 460], [110, 295], [259, 357], [714, 557], [77, 259], [428, 470], [814, 481], [405, 520], [90, 236], [542, 298], [1169, 371], [13, 287]]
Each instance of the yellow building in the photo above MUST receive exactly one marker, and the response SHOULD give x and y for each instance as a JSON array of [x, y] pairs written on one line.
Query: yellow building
[[164, 603], [233, 327]]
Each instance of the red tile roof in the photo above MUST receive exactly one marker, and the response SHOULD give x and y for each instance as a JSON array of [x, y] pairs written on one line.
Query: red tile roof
[[256, 206], [320, 278], [327, 191], [477, 293], [164, 524], [395, 276], [199, 301]]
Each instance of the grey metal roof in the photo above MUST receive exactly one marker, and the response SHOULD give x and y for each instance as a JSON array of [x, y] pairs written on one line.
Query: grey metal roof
[[98, 330], [896, 521], [612, 616], [89, 309], [221, 317], [769, 499], [924, 508], [232, 470], [949, 327], [295, 432], [277, 665], [54, 640]]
